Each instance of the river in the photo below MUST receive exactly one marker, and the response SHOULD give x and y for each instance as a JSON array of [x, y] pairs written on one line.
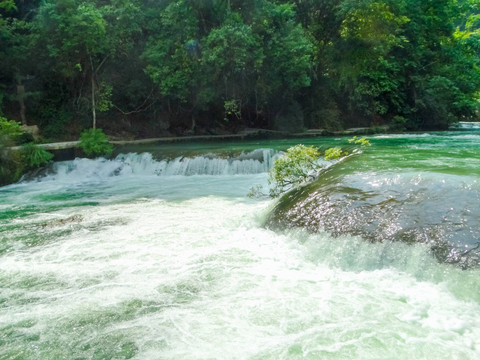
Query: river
[[159, 254]]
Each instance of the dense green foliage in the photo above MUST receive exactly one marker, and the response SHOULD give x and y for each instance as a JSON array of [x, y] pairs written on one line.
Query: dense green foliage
[[94, 143], [14, 163], [10, 169], [10, 164], [147, 68], [10, 128]]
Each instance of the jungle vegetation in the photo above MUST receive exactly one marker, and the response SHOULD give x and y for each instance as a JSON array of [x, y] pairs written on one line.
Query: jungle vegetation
[[141, 68]]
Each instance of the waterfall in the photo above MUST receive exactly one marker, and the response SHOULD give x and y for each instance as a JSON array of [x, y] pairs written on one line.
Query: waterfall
[[255, 162]]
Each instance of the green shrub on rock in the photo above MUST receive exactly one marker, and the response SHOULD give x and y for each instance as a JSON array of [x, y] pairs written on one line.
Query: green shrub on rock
[[301, 164], [297, 164], [94, 143], [34, 156]]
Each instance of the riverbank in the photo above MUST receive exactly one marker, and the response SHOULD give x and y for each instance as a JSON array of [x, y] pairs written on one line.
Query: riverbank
[[68, 150]]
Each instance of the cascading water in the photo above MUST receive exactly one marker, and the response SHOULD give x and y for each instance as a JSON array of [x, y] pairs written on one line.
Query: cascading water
[[144, 258], [258, 161]]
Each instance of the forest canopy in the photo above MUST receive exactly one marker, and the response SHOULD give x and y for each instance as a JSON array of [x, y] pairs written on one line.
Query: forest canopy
[[144, 67]]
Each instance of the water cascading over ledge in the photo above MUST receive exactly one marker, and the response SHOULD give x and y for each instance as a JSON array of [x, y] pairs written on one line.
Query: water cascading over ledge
[[384, 206], [145, 164]]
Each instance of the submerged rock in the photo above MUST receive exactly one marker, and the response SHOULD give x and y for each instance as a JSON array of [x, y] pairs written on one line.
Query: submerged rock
[[414, 207]]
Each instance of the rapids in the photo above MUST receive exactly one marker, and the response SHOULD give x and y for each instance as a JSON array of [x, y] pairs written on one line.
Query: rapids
[[412, 188], [148, 256]]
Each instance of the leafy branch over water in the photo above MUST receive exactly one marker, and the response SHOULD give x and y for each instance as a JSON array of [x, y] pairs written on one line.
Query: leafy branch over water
[[301, 164]]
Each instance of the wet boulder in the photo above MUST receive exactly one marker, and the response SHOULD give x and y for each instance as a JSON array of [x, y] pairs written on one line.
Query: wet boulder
[[414, 207]]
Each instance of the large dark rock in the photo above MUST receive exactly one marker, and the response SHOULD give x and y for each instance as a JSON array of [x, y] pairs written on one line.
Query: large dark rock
[[387, 206]]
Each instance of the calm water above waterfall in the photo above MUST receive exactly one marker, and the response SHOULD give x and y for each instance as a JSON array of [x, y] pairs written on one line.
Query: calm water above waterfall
[[159, 254]]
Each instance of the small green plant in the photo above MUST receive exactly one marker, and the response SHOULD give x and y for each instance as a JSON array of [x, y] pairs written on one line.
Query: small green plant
[[359, 141], [10, 128], [334, 153], [34, 156], [231, 107], [94, 142]]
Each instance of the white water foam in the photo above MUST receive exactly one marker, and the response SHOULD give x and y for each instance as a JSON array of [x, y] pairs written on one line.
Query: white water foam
[[80, 169], [200, 279], [466, 125], [406, 136], [139, 265]]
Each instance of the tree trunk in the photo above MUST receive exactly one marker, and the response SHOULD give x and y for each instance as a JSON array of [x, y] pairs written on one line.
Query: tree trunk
[[21, 101], [94, 113], [194, 124]]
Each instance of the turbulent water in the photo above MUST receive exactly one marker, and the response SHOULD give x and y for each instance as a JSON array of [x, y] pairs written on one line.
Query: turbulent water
[[415, 189], [161, 257]]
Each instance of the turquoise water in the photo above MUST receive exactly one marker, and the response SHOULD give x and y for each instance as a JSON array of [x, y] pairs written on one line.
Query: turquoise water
[[153, 256]]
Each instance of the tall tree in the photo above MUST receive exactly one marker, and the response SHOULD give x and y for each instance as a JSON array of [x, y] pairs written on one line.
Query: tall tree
[[232, 56], [16, 44], [366, 74], [434, 64], [410, 63], [173, 55], [80, 38]]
